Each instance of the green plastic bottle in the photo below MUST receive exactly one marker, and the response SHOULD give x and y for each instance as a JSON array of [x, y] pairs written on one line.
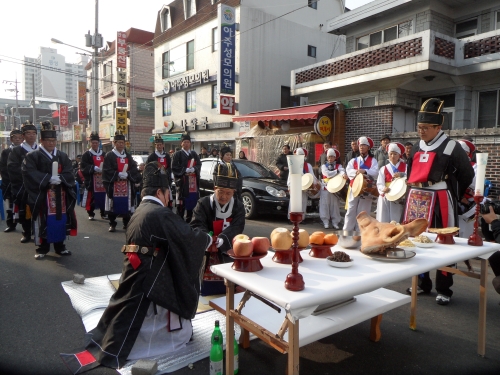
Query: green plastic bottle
[[216, 357], [236, 353], [217, 332]]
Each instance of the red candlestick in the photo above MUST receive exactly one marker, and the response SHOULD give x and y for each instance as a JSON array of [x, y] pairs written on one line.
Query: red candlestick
[[475, 239], [294, 280]]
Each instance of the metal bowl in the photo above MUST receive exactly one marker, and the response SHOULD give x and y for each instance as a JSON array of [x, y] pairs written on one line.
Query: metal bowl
[[349, 239]]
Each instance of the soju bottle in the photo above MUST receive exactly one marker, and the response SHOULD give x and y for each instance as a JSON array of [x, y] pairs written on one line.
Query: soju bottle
[[217, 332], [236, 352], [216, 356]]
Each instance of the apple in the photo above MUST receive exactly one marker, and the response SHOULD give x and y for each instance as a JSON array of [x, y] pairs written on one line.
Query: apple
[[240, 237], [260, 245], [242, 248]]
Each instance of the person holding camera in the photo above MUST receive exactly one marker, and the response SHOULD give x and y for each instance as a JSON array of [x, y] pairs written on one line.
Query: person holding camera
[[490, 227], [467, 206]]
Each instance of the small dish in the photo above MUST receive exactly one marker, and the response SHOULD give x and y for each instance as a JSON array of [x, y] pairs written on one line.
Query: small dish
[[423, 244], [339, 264]]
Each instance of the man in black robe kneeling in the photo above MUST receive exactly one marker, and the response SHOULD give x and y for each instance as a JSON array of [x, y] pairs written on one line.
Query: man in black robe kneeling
[[150, 313]]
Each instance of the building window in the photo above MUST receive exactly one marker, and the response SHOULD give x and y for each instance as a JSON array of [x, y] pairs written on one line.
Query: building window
[[391, 33], [361, 102], [106, 112], [287, 100], [497, 23], [488, 111], [167, 106], [189, 8], [191, 101], [311, 51], [165, 63], [215, 39], [108, 74], [165, 19], [190, 55], [215, 97], [465, 29], [312, 4]]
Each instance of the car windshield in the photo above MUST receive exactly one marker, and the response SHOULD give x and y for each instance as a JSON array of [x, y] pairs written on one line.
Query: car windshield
[[253, 170]]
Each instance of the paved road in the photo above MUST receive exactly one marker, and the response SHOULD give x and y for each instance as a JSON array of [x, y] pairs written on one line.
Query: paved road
[[37, 321]]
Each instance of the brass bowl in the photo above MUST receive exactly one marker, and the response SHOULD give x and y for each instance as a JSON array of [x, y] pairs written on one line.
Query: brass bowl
[[348, 239]]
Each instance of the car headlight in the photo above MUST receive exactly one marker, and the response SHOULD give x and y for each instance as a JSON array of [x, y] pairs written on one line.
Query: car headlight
[[275, 192]]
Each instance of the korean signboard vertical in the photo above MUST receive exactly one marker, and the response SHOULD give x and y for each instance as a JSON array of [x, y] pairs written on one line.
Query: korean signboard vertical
[[122, 89], [227, 49], [82, 101], [63, 115], [121, 50], [121, 120]]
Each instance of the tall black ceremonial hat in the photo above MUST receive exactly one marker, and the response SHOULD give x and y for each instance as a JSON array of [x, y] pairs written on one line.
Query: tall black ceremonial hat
[[27, 125], [155, 176], [119, 136], [158, 139], [226, 176], [94, 136], [15, 131], [185, 137], [430, 113], [225, 149], [47, 130]]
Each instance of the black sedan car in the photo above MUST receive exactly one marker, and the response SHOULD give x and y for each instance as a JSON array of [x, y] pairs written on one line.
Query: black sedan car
[[262, 192]]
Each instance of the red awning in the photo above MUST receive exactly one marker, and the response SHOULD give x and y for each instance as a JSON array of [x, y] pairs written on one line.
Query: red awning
[[293, 113]]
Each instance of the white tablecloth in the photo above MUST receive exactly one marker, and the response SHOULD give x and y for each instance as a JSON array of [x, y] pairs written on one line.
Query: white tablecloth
[[325, 284]]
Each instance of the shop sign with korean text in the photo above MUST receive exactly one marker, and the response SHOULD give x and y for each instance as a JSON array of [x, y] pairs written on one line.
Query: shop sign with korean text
[[323, 126], [121, 120], [77, 133], [226, 105], [121, 88], [63, 115], [82, 100], [227, 49], [121, 50]]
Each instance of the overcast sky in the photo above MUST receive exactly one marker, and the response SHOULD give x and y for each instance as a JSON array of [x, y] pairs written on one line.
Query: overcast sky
[[27, 25]]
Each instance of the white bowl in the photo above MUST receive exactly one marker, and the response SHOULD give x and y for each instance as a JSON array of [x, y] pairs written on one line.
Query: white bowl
[[339, 264], [423, 244]]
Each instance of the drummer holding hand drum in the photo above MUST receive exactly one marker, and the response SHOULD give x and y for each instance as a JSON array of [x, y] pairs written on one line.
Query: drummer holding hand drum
[[333, 179], [391, 184]]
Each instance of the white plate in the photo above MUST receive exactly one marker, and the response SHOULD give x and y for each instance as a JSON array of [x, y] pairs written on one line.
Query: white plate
[[409, 254], [339, 264], [423, 244]]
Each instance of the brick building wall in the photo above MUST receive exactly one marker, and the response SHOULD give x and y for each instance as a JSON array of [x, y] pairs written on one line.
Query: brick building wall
[[431, 20]]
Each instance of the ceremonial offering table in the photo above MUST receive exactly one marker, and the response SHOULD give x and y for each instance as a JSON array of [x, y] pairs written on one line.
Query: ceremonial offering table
[[325, 285]]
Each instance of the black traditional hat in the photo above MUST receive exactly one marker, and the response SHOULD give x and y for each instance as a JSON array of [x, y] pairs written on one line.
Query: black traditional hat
[[47, 130], [27, 125], [119, 136], [15, 131], [226, 176], [225, 149], [155, 176], [185, 137], [158, 139], [430, 113], [94, 136]]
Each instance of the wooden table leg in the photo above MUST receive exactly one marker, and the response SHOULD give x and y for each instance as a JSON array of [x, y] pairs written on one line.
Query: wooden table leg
[[375, 333], [229, 327], [244, 338], [293, 348], [413, 305], [481, 341]]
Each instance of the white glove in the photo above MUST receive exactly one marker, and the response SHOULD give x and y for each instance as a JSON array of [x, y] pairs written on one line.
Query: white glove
[[220, 241], [97, 169], [55, 180], [122, 175], [189, 170]]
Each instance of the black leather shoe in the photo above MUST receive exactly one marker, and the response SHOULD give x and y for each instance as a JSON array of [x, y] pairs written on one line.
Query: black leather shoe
[[64, 252], [112, 229], [9, 229], [25, 239]]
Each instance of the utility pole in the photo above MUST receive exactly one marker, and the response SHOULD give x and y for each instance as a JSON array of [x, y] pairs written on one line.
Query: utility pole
[[34, 102], [95, 41], [16, 114]]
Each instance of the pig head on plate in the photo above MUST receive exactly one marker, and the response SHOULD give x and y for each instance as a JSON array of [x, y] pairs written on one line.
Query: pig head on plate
[[377, 237]]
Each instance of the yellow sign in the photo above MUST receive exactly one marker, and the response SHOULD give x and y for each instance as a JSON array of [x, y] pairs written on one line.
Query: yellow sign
[[323, 126], [121, 120]]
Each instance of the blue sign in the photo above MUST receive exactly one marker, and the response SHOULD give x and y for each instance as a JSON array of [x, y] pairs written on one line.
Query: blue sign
[[227, 50]]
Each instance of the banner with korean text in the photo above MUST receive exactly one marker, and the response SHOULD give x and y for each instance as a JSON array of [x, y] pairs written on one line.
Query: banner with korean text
[[227, 49], [121, 50], [121, 120], [121, 89], [82, 101], [63, 115]]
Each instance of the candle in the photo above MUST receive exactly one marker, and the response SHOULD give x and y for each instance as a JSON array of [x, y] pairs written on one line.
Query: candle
[[55, 168], [481, 160], [100, 166], [295, 166], [125, 167]]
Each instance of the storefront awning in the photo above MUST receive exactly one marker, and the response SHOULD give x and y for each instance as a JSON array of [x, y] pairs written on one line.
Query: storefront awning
[[294, 113], [167, 137]]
